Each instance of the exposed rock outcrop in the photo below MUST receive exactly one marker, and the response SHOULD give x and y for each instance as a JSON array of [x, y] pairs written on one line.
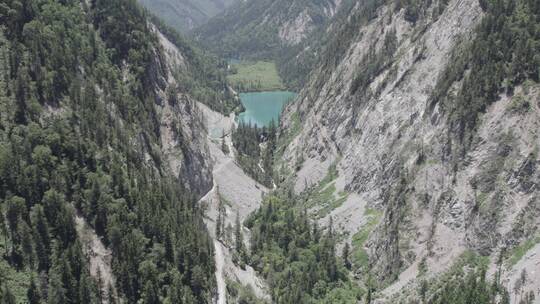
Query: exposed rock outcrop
[[182, 130], [393, 150]]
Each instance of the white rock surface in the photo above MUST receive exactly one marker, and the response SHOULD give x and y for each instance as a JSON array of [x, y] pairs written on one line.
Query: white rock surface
[[376, 141], [242, 194]]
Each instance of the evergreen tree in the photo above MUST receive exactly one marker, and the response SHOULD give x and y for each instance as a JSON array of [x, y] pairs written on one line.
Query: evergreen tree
[[175, 289], [150, 294], [345, 256], [27, 244], [41, 236], [33, 295], [238, 236], [369, 286], [86, 289], [228, 234], [169, 248], [220, 220], [328, 254], [6, 297], [4, 231], [56, 291], [224, 146]]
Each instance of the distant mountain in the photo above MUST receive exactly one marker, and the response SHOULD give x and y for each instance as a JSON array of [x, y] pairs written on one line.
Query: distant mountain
[[184, 15], [259, 29]]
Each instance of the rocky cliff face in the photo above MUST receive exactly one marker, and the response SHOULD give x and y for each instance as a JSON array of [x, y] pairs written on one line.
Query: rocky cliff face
[[368, 112], [182, 130]]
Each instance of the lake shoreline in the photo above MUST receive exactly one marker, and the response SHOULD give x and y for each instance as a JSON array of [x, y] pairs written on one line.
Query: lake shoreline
[[261, 108]]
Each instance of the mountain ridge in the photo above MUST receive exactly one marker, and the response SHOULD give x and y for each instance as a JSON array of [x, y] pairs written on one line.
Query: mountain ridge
[[258, 29], [185, 15]]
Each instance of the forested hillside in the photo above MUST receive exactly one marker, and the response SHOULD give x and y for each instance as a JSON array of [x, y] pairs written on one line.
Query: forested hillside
[[82, 88], [297, 256], [259, 29]]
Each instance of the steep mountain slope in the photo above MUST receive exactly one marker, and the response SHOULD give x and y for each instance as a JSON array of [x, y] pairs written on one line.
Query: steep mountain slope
[[103, 156], [258, 29], [429, 110], [185, 15]]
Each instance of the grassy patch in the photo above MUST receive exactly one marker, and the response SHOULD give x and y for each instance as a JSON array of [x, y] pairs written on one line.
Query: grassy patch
[[519, 105], [255, 76], [519, 252], [360, 256], [331, 175], [325, 196], [482, 200], [329, 201], [225, 201]]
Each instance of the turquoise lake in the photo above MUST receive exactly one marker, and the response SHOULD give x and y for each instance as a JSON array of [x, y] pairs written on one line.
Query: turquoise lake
[[262, 107]]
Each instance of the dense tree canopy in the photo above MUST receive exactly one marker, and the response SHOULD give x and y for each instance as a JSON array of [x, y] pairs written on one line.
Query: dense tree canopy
[[256, 146], [296, 256]]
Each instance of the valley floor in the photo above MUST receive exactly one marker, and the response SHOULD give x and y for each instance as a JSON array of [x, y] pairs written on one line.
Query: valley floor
[[241, 195]]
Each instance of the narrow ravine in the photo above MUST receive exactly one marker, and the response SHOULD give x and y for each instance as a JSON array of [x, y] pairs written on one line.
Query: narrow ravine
[[243, 196]]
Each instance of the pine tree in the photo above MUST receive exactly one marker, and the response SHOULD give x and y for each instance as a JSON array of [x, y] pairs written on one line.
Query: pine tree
[[100, 221], [94, 197], [27, 244], [150, 294], [21, 96], [218, 226], [238, 237], [100, 286], [345, 256], [169, 248], [56, 291], [224, 146], [111, 295], [369, 285], [6, 297], [328, 255], [4, 231], [32, 294], [86, 289], [228, 234], [41, 236], [220, 220], [15, 214], [175, 289]]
